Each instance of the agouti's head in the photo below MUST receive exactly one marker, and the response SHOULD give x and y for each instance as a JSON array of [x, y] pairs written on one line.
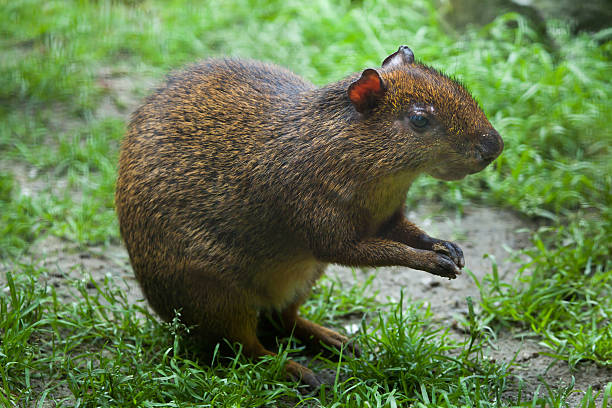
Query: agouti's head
[[430, 117]]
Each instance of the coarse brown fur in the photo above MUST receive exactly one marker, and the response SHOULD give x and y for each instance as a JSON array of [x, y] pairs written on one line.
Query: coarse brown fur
[[239, 182]]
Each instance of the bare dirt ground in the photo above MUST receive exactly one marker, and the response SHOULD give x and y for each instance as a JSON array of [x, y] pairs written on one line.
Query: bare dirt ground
[[479, 231]]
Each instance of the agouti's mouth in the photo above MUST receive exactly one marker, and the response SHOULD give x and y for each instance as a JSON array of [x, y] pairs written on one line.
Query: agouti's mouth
[[448, 174], [482, 164]]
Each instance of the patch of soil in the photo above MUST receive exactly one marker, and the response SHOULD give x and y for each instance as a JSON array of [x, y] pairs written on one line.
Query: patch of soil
[[30, 181], [536, 369], [67, 262], [123, 92]]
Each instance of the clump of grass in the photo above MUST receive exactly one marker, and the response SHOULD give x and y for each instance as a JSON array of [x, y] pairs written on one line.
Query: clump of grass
[[100, 350], [91, 346], [562, 293], [18, 225], [408, 360]]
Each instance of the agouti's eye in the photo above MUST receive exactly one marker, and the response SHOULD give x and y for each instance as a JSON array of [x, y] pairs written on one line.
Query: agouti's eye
[[419, 121]]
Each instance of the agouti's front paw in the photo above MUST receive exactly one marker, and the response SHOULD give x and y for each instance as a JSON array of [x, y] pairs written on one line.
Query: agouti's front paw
[[442, 265], [451, 250]]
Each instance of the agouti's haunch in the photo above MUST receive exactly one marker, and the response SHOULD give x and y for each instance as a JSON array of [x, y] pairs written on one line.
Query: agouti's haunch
[[239, 182]]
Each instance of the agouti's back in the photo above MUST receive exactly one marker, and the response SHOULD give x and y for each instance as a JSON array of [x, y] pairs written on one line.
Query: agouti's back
[[201, 135], [239, 181]]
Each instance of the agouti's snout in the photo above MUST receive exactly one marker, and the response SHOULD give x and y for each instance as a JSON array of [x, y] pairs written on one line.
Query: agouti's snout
[[489, 148]]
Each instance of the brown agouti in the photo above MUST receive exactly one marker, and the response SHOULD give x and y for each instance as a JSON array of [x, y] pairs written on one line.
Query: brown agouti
[[239, 182]]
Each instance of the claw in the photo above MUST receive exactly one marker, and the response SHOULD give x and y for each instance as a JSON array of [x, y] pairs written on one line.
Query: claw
[[441, 248], [451, 250]]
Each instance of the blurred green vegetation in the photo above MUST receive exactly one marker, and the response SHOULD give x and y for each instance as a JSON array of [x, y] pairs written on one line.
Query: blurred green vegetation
[[551, 104]]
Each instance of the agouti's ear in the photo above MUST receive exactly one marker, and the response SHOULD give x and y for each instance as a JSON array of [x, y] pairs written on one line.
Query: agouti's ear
[[402, 56], [367, 91]]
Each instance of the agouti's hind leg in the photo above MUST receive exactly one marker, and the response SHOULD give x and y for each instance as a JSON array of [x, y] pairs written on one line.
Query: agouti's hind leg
[[245, 334], [313, 333]]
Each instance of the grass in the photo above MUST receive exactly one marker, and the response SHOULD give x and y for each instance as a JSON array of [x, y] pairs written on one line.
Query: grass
[[102, 350], [59, 150]]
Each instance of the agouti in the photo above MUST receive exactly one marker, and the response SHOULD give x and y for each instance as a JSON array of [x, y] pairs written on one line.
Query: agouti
[[239, 182]]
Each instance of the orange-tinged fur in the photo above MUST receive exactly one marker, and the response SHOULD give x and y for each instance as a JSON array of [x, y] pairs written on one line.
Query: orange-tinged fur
[[281, 283]]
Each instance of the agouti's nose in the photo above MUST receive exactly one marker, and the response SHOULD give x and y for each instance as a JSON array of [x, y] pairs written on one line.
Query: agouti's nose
[[491, 146]]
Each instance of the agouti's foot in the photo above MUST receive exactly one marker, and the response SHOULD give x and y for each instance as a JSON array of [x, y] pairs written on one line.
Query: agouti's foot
[[298, 372], [317, 334], [336, 340]]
